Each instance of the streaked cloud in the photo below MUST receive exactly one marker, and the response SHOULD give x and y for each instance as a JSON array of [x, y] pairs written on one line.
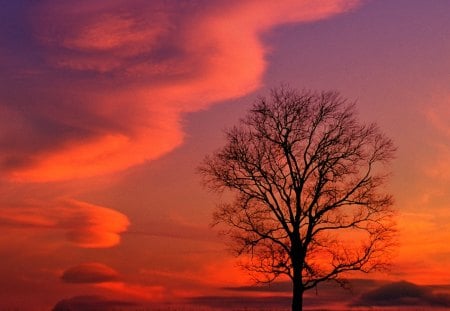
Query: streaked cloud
[[118, 75], [85, 225]]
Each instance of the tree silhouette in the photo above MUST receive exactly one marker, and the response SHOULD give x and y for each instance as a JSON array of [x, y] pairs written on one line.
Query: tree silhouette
[[307, 179]]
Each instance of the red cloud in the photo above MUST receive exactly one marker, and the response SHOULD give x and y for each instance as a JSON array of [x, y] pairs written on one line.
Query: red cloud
[[119, 75], [86, 225]]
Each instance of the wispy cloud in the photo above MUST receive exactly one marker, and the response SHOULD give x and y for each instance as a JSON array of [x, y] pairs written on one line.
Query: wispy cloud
[[118, 76]]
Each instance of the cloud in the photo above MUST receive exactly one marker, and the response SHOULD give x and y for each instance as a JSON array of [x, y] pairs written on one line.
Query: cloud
[[86, 225], [91, 272], [93, 303], [104, 84], [403, 294], [93, 226]]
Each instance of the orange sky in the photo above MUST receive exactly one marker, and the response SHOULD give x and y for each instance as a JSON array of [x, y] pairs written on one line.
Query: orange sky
[[107, 107]]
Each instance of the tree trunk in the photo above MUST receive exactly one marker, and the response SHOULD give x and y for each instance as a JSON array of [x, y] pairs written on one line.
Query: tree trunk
[[297, 294], [297, 259], [297, 280]]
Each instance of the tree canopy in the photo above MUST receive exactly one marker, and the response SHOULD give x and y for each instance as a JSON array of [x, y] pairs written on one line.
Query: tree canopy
[[308, 183]]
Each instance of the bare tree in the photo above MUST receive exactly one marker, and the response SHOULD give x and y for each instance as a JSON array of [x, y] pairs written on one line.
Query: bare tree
[[308, 184]]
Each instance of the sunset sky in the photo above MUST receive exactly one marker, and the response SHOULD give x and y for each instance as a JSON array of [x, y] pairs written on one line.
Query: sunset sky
[[108, 107]]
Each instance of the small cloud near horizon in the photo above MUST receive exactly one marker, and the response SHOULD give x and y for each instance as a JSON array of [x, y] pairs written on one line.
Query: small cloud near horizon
[[404, 294]]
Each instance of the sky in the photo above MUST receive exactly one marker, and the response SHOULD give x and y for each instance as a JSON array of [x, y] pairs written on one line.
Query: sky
[[108, 107]]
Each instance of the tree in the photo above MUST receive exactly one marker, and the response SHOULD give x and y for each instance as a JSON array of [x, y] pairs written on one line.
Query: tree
[[308, 183]]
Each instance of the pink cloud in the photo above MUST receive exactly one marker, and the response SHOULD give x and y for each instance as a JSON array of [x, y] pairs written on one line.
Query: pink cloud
[[85, 225], [119, 75], [99, 37]]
